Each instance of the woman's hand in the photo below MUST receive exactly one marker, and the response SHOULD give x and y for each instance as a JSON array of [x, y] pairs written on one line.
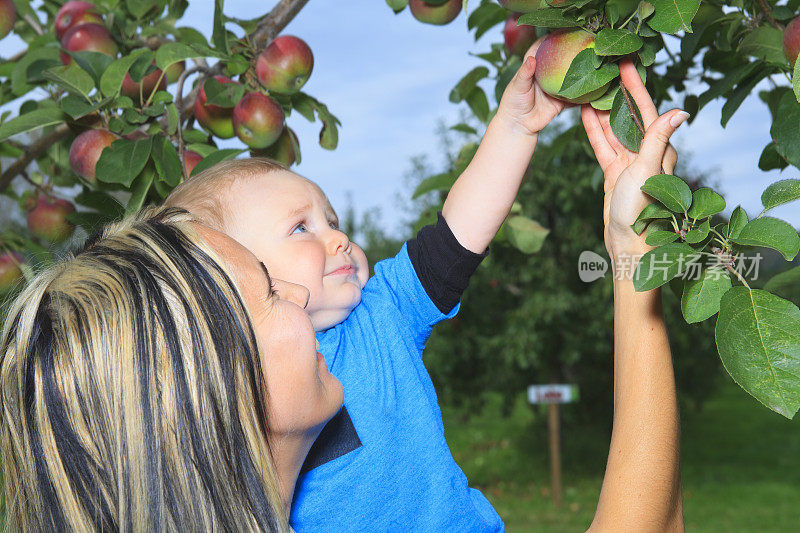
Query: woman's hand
[[524, 104], [625, 171]]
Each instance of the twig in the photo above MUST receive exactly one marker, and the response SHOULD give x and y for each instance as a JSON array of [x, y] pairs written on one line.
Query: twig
[[34, 151], [632, 110], [178, 104], [767, 11], [34, 24]]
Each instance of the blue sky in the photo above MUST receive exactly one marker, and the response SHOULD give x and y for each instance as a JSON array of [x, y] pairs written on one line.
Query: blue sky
[[387, 78]]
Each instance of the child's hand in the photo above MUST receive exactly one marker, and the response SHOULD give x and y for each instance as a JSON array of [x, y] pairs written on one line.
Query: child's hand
[[625, 171], [524, 104]]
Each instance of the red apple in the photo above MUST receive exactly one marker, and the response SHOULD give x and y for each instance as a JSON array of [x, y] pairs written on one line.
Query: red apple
[[8, 15], [86, 149], [74, 13], [190, 160], [215, 119], [435, 14], [258, 120], [87, 37], [285, 65], [47, 219], [11, 275], [131, 89], [791, 40], [554, 57], [518, 38], [282, 150]]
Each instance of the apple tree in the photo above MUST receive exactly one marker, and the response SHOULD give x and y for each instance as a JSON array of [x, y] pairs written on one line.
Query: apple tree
[[725, 47]]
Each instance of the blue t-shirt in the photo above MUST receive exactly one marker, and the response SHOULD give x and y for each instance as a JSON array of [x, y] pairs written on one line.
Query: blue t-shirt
[[403, 476]]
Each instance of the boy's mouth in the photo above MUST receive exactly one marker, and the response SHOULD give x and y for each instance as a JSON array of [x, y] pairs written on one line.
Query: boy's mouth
[[343, 270]]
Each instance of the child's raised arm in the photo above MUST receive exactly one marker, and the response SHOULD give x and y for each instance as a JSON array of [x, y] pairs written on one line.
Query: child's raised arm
[[482, 197], [642, 485]]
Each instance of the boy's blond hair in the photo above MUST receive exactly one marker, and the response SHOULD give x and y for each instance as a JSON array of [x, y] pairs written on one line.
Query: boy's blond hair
[[203, 194]]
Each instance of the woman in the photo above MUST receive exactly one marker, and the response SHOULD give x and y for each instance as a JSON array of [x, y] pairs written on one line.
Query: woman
[[133, 394]]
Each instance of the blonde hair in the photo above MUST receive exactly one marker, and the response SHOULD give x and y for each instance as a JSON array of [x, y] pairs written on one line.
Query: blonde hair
[[132, 391], [203, 194]]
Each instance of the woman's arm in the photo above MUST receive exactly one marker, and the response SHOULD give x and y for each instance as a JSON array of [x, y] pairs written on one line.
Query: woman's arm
[[642, 486]]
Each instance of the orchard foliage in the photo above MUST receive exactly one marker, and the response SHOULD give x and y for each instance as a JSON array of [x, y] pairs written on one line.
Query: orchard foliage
[[728, 48]]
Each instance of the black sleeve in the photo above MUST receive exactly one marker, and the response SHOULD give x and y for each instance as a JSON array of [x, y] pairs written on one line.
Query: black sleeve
[[442, 264]]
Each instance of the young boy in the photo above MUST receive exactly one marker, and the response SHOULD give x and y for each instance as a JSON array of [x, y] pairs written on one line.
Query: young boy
[[382, 464]]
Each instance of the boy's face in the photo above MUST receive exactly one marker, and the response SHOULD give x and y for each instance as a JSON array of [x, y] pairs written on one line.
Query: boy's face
[[288, 223]]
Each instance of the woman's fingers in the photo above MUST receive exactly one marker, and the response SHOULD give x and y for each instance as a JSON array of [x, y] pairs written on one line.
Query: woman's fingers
[[656, 139], [670, 160], [597, 138], [633, 83]]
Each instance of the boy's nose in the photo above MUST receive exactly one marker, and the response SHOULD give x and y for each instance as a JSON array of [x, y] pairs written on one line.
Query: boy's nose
[[338, 242], [297, 294]]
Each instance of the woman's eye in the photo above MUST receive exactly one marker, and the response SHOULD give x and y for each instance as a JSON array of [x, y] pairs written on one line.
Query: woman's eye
[[300, 228]]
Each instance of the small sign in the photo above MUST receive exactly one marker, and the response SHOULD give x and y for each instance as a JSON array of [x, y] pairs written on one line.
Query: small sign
[[552, 394]]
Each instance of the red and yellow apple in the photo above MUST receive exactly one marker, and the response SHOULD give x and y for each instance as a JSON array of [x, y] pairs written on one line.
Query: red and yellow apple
[[282, 150], [11, 275], [85, 151], [791, 40], [554, 57], [47, 218], [190, 160], [130, 88], [258, 120], [75, 13], [215, 119], [518, 38], [438, 14], [8, 15], [285, 65], [87, 37]]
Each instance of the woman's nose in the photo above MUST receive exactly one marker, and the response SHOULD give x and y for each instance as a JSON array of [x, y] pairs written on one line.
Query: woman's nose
[[297, 294]]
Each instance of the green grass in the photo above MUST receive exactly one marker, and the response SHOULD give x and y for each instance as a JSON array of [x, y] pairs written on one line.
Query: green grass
[[741, 466]]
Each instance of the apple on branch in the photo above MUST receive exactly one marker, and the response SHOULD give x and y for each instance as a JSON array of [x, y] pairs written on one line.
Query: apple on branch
[[554, 57], [85, 150], [215, 119], [791, 40], [75, 13], [47, 218], [518, 38], [258, 120], [8, 15], [11, 275], [283, 150], [285, 64], [435, 12], [87, 37]]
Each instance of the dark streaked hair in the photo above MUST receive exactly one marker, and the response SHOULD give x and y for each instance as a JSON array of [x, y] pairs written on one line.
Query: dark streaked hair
[[132, 391]]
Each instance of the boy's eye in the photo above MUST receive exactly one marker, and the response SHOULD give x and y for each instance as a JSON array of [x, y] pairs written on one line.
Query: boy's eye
[[300, 228], [333, 225]]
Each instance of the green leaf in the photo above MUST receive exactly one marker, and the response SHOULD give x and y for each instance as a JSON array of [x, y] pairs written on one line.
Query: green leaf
[[659, 237], [548, 18], [438, 182], [796, 80], [726, 83], [701, 297], [172, 119], [670, 190], [77, 106], [71, 78], [742, 91], [647, 53], [32, 120], [650, 211], [464, 87], [672, 16], [622, 123], [583, 77], [95, 63], [139, 191], [758, 338], [660, 265], [102, 202], [779, 193], [705, 203], [139, 8], [770, 158], [616, 42], [770, 233], [28, 70], [397, 5], [737, 222], [464, 128], [786, 284], [111, 80], [223, 94], [764, 42], [699, 233], [219, 36], [525, 234], [214, 158], [785, 130], [168, 165], [123, 161], [605, 102], [479, 104], [171, 53]]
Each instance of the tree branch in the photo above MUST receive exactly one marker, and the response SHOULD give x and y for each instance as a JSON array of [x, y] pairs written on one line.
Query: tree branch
[[767, 12], [34, 151]]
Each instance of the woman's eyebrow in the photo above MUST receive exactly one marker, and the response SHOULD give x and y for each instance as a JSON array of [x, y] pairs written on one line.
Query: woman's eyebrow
[[269, 279]]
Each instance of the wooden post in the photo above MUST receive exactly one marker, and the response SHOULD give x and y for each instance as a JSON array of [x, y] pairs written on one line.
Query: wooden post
[[554, 430]]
